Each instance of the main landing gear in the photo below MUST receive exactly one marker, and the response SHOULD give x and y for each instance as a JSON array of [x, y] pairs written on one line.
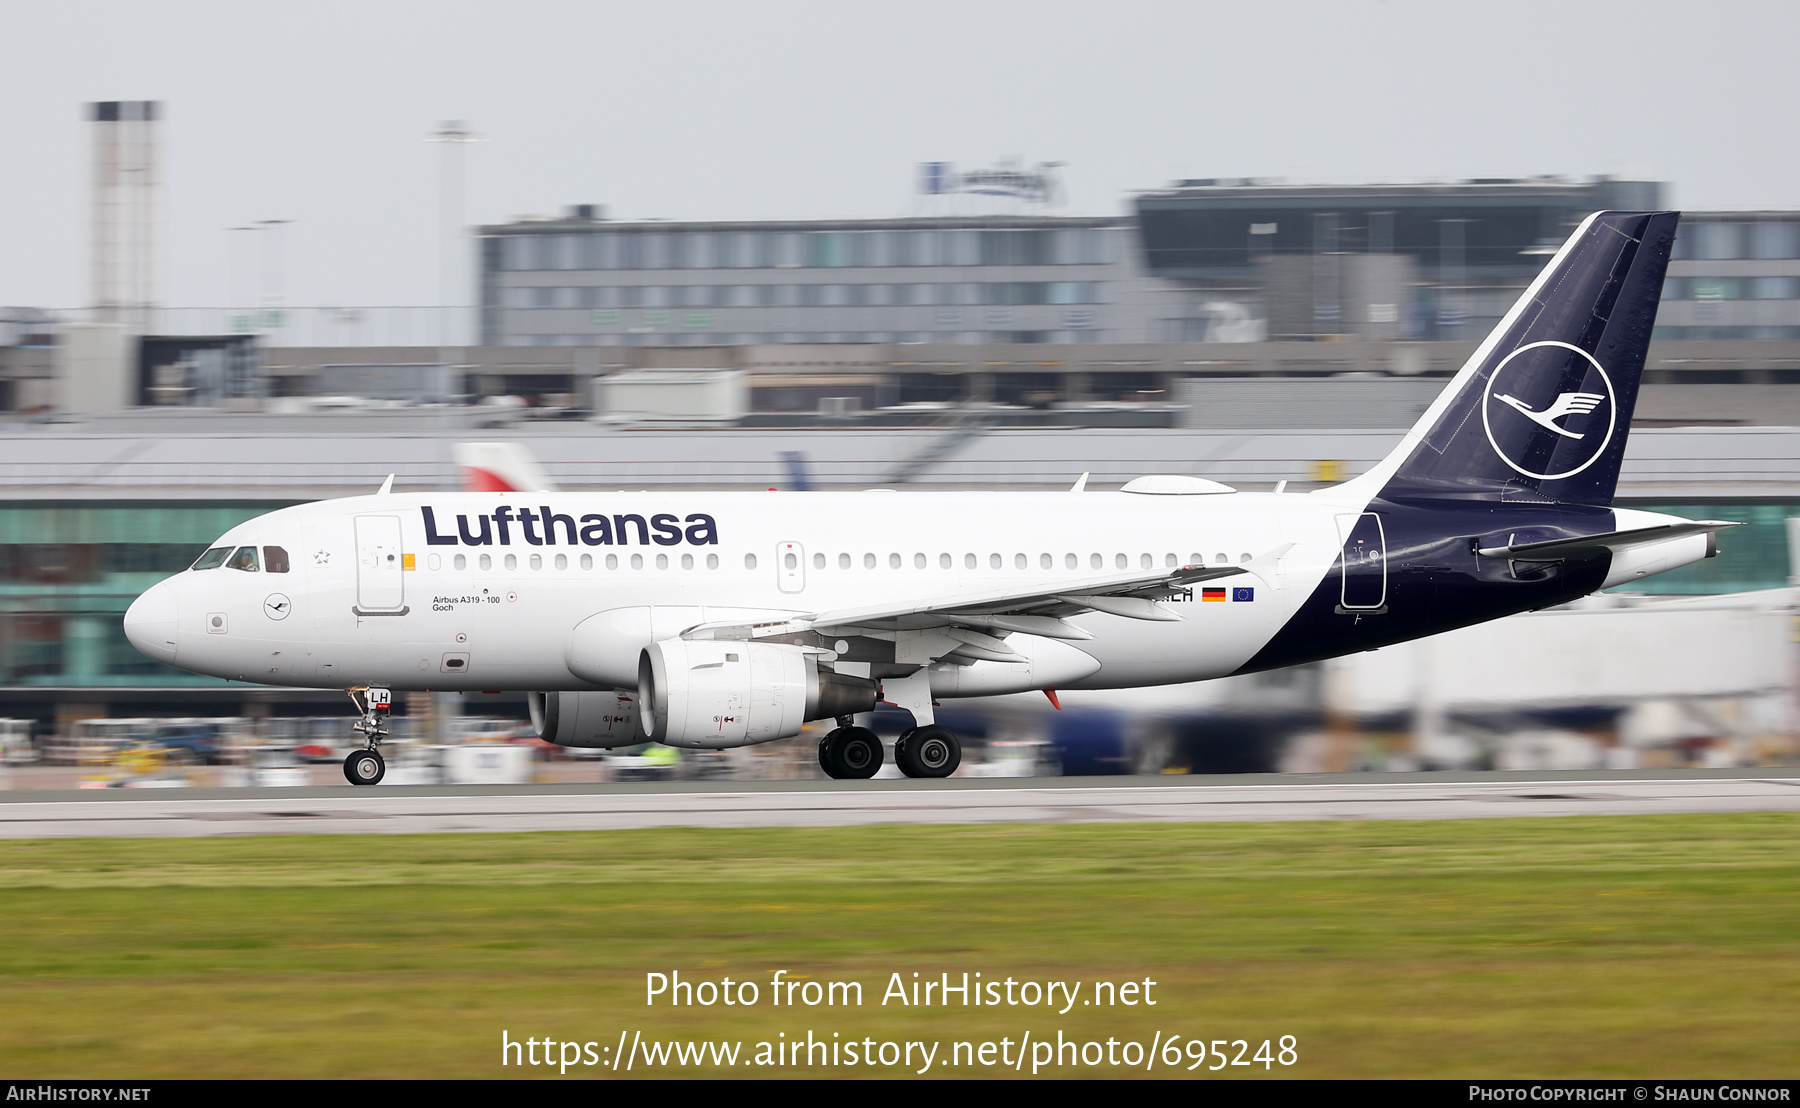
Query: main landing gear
[[929, 751], [367, 766], [854, 753], [850, 753]]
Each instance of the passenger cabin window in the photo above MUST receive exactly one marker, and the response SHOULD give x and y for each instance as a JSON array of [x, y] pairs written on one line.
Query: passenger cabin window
[[213, 558], [275, 559], [244, 559]]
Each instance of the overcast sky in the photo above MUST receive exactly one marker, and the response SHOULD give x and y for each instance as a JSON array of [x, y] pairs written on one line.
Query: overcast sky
[[316, 112]]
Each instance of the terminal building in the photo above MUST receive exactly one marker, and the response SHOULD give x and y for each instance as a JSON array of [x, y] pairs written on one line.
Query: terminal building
[[1243, 285], [581, 280], [1210, 261]]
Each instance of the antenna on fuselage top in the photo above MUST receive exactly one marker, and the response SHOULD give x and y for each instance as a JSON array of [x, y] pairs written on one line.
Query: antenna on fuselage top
[[387, 486], [1080, 484]]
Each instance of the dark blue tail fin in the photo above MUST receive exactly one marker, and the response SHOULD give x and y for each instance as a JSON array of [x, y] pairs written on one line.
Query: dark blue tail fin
[[1541, 410]]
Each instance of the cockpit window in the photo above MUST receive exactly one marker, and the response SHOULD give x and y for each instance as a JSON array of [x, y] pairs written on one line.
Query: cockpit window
[[213, 558], [244, 559], [275, 559]]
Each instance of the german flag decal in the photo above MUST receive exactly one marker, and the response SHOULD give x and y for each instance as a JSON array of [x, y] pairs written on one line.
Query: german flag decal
[[1213, 594]]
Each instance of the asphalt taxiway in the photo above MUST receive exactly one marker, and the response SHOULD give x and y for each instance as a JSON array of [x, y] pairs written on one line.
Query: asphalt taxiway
[[1272, 797]]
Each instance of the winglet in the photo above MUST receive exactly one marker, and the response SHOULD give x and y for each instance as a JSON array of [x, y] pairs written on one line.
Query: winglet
[[387, 486]]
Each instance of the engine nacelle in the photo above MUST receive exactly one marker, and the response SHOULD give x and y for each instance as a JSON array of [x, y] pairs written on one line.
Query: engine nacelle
[[600, 720], [710, 694]]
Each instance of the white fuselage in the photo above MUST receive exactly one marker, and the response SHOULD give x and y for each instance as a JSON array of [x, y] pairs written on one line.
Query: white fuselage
[[370, 599]]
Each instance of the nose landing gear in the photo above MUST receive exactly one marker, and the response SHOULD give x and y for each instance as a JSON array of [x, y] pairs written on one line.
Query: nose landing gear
[[367, 766]]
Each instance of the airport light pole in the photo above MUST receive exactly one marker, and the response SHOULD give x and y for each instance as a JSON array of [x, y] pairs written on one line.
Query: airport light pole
[[270, 303], [237, 294], [452, 136]]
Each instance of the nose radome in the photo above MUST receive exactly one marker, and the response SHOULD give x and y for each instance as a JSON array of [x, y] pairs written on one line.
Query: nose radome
[[151, 620]]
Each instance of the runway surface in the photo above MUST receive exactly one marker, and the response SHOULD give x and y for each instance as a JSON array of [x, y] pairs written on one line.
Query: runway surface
[[415, 809]]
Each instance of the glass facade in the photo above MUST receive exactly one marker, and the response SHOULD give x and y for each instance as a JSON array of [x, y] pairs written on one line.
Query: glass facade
[[639, 249], [819, 294], [68, 571], [741, 281], [1728, 283]]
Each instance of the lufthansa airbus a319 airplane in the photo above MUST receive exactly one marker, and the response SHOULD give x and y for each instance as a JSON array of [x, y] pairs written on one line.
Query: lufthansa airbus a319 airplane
[[719, 619]]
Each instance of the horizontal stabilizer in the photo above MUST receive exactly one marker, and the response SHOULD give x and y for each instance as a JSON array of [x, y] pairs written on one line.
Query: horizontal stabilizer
[[1557, 550]]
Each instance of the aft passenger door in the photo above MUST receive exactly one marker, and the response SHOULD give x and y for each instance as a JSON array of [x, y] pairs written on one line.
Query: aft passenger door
[[1362, 564], [380, 566]]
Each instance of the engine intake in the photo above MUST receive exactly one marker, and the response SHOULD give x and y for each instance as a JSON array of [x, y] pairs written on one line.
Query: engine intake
[[600, 720], [712, 694]]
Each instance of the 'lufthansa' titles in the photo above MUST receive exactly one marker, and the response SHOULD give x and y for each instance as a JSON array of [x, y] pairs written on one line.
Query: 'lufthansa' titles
[[593, 529]]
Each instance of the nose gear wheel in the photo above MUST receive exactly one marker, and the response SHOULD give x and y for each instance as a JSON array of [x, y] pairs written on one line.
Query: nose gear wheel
[[365, 767]]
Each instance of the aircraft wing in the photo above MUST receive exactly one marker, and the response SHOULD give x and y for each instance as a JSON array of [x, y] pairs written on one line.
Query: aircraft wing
[[1557, 550], [973, 625]]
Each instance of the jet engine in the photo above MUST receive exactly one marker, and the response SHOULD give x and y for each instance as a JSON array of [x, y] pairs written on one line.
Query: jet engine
[[588, 719], [705, 693]]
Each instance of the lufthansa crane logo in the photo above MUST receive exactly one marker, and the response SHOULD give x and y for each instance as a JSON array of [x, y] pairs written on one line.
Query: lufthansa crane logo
[[1517, 398]]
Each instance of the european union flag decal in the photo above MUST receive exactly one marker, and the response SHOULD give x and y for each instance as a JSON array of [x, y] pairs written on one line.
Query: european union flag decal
[[1243, 594]]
